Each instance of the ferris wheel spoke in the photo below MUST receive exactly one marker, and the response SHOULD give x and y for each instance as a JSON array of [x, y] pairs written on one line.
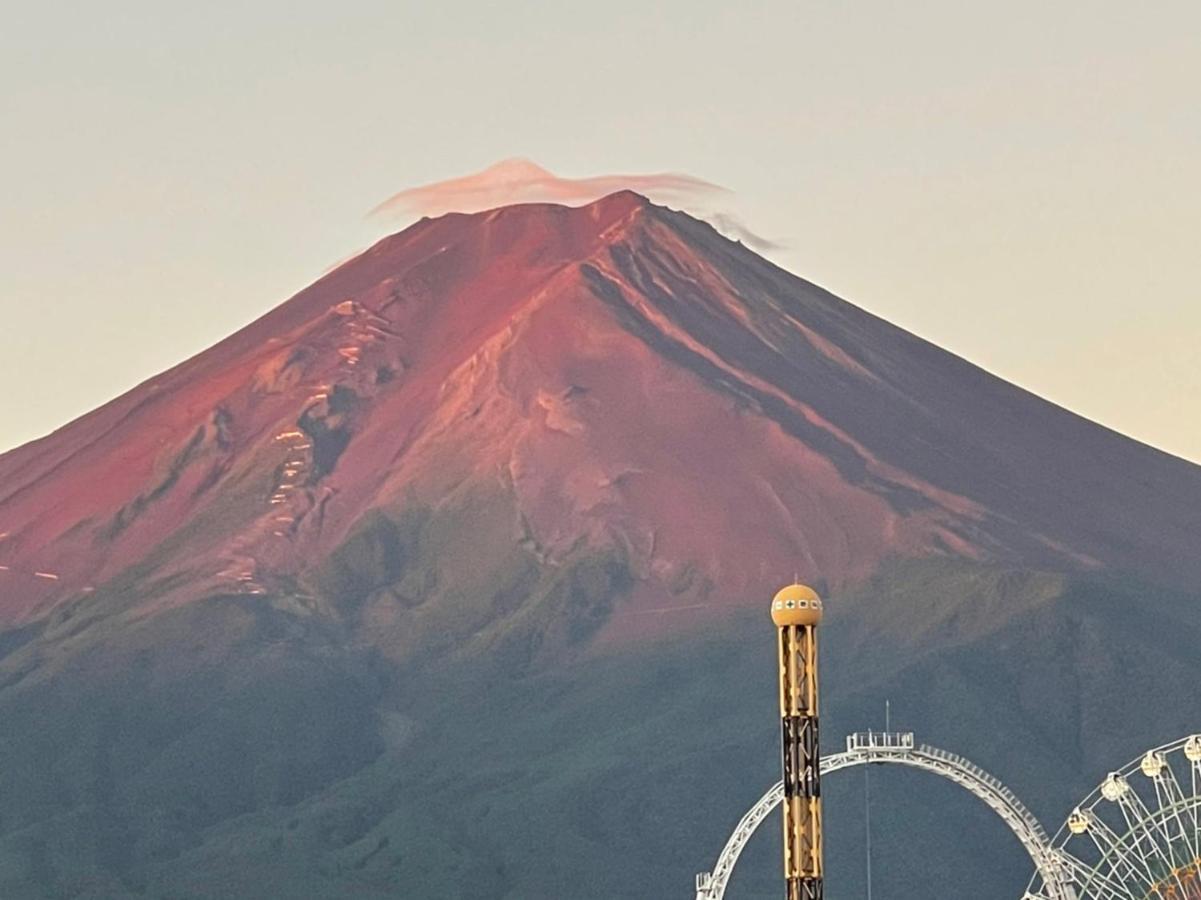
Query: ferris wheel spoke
[[1192, 752], [1099, 885], [1129, 857], [1182, 837]]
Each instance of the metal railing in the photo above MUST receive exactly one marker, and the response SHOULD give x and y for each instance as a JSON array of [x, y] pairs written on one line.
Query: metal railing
[[879, 740]]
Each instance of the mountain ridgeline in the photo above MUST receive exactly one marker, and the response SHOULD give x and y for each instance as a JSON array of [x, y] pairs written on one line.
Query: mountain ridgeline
[[448, 577]]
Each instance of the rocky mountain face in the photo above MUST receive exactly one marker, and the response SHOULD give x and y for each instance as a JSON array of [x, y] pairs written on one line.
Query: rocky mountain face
[[448, 577]]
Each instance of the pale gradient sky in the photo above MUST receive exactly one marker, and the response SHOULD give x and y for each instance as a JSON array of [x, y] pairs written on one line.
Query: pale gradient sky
[[1019, 182]]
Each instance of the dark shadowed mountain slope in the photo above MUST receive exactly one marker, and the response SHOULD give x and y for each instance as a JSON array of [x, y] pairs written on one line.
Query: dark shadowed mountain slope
[[447, 576]]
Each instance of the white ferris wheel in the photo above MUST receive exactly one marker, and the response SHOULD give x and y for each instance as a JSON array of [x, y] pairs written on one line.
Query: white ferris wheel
[[1137, 836]]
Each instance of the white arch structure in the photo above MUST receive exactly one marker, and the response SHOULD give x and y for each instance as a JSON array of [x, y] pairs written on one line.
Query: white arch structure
[[889, 747]]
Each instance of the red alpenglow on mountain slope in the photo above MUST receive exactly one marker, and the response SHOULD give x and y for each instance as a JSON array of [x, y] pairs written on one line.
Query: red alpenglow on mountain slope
[[629, 379]]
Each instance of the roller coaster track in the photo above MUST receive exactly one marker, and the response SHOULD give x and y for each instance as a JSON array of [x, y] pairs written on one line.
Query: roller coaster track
[[873, 748]]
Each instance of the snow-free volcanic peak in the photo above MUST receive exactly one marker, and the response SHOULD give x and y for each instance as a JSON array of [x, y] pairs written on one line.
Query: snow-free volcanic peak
[[616, 376]]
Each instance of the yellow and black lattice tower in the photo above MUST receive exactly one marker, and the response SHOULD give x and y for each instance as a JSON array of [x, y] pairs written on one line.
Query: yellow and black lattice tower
[[796, 611]]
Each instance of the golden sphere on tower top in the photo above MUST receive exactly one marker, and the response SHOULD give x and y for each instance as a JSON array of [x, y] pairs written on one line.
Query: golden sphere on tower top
[[796, 605]]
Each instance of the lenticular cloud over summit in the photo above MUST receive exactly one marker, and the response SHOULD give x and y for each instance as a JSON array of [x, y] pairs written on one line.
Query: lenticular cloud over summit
[[522, 181]]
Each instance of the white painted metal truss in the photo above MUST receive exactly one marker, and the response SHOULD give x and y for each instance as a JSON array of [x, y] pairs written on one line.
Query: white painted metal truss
[[1138, 835], [896, 748]]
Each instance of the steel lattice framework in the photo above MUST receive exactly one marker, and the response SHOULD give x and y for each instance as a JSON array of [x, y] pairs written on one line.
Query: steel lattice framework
[[895, 748], [1138, 835]]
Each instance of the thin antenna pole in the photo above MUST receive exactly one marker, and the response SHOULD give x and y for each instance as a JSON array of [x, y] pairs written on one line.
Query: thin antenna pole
[[888, 715], [867, 819]]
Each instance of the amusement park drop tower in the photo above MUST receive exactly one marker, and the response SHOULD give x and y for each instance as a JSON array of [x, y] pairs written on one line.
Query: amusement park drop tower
[[796, 611]]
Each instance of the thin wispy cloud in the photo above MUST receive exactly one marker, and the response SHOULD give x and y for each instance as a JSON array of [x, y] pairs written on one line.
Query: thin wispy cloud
[[522, 181], [730, 226]]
